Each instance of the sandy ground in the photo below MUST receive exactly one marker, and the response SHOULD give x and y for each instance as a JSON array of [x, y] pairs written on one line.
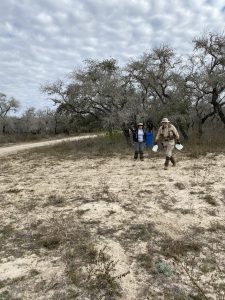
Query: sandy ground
[[27, 146], [116, 198]]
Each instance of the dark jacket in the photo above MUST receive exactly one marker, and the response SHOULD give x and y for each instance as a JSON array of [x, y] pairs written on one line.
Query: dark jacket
[[135, 136]]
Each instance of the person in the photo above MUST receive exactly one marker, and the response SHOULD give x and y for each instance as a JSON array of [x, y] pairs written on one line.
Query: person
[[139, 139], [169, 137]]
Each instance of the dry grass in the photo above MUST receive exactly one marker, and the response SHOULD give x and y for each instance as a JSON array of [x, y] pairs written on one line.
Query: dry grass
[[210, 200], [175, 248], [100, 147], [210, 142], [180, 185], [25, 138], [84, 222], [89, 272]]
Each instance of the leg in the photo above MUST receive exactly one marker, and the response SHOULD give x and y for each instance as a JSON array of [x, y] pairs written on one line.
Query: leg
[[169, 149], [136, 150], [166, 165], [173, 161], [141, 150]]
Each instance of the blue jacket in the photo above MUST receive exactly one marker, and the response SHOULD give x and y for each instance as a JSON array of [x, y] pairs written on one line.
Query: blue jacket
[[135, 136]]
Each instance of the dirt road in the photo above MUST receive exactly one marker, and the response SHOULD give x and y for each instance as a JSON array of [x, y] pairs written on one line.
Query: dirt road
[[21, 147]]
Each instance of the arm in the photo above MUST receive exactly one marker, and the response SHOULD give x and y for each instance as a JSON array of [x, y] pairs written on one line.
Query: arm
[[176, 134]]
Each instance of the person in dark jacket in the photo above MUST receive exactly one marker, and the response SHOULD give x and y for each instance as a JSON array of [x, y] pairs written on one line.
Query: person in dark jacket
[[139, 139]]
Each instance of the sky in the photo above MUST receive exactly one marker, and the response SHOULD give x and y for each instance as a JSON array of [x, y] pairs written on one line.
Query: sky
[[45, 40]]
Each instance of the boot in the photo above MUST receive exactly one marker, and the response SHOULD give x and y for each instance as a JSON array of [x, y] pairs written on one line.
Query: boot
[[135, 155], [141, 156], [166, 163], [173, 161]]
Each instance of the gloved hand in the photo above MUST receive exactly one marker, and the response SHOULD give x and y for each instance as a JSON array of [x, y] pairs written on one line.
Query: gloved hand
[[178, 142]]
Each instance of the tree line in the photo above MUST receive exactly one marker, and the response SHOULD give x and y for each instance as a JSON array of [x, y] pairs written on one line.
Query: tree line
[[40, 122], [160, 83], [103, 95]]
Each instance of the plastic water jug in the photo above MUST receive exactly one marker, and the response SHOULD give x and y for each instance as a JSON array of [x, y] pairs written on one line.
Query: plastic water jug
[[149, 139]]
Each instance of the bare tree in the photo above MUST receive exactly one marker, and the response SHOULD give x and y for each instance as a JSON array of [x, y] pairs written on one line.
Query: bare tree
[[206, 78], [7, 106]]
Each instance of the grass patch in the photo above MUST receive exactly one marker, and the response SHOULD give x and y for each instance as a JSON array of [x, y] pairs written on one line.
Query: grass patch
[[99, 147], [175, 248], [55, 200], [207, 265], [92, 271], [197, 192], [138, 232], [223, 195], [81, 212], [163, 268], [145, 261], [13, 191], [185, 211], [6, 231], [6, 295], [210, 200], [34, 272], [105, 194], [216, 226], [29, 137], [210, 142], [89, 272], [180, 185]]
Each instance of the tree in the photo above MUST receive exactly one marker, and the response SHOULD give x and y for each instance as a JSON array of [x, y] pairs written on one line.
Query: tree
[[155, 85], [95, 91], [206, 78], [7, 106], [159, 81]]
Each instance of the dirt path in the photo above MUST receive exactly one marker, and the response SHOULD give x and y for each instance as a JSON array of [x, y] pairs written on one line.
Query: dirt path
[[27, 146]]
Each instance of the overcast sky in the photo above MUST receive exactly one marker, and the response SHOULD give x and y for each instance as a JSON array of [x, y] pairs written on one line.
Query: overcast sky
[[43, 40]]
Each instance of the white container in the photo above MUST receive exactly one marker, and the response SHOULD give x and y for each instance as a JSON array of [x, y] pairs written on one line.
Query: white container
[[179, 147], [155, 148]]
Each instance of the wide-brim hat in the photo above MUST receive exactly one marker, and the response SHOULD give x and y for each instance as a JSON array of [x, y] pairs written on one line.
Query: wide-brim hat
[[165, 120]]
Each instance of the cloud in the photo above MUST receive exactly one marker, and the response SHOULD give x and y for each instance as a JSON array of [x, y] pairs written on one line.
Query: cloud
[[42, 41]]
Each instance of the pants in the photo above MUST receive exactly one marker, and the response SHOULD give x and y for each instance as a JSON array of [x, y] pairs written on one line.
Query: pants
[[139, 147], [168, 147]]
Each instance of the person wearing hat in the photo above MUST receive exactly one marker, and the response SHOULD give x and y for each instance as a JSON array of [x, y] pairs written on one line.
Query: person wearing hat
[[169, 137], [139, 139]]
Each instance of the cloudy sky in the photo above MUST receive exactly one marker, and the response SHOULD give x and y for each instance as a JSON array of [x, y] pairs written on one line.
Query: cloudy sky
[[43, 40]]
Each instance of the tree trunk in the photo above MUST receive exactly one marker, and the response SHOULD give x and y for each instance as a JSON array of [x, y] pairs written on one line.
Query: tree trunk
[[217, 106], [126, 132], [110, 129], [4, 128], [183, 132], [221, 113], [200, 130]]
